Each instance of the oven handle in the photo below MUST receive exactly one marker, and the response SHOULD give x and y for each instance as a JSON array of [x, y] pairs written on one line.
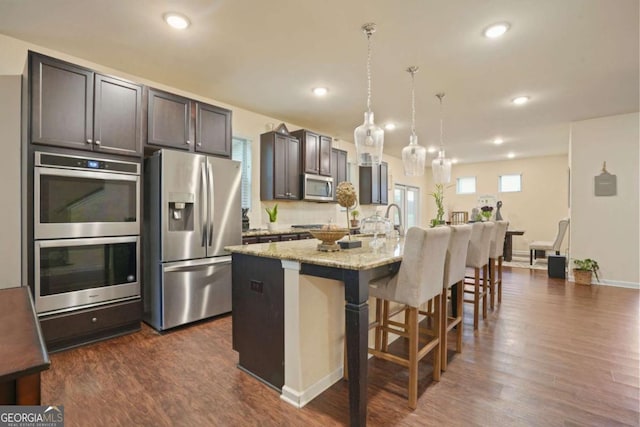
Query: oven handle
[[84, 241], [107, 176]]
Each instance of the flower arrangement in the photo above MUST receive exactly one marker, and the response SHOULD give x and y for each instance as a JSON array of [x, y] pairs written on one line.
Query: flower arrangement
[[438, 197], [346, 197], [273, 213], [486, 212]]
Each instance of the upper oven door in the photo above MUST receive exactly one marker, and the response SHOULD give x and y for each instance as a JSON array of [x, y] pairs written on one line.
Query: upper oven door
[[75, 203]]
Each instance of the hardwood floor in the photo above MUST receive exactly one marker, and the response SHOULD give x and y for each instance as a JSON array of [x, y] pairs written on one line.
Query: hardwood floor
[[553, 353]]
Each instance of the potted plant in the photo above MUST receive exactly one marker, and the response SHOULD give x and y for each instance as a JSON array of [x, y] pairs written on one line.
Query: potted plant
[[438, 196], [354, 218], [273, 216], [584, 269]]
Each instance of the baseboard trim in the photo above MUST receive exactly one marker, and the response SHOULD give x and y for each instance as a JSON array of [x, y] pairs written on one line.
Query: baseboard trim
[[300, 399], [615, 283]]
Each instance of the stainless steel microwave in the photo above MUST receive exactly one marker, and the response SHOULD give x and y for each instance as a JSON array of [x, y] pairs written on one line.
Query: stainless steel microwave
[[317, 188]]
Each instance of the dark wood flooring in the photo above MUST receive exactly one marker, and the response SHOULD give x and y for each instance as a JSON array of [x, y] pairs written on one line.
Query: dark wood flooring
[[553, 354]]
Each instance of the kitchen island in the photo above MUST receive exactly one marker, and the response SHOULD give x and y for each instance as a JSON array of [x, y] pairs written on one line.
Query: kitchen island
[[291, 286]]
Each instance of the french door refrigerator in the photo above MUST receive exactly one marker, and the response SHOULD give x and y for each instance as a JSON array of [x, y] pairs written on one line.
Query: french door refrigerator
[[191, 212]]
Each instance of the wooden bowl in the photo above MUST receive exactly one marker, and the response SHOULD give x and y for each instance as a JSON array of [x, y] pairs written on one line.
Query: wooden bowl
[[329, 237]]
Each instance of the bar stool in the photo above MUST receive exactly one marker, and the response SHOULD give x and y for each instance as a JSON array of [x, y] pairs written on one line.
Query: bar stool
[[418, 280], [478, 259], [495, 261], [454, 270]]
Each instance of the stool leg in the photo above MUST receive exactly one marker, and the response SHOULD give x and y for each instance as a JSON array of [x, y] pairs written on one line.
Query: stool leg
[[378, 342], [437, 360], [492, 281], [413, 357], [485, 274], [499, 280], [460, 313], [385, 324], [443, 331]]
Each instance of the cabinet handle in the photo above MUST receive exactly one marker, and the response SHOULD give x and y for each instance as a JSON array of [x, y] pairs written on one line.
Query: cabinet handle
[[89, 141], [97, 142], [188, 142], [94, 319]]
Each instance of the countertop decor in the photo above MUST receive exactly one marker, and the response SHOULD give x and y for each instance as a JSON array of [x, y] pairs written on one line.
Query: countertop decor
[[328, 238]]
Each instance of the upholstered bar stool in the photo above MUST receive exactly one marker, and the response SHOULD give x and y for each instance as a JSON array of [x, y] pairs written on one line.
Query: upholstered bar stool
[[478, 260], [454, 270], [495, 261], [418, 280]]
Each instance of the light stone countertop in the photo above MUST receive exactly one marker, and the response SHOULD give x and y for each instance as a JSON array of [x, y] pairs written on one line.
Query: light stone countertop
[[305, 251], [267, 232]]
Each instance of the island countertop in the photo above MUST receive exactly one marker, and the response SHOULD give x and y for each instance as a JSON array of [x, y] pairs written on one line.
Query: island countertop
[[305, 251]]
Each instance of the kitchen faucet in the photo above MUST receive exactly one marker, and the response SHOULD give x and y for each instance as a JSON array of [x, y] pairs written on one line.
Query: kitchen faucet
[[386, 215]]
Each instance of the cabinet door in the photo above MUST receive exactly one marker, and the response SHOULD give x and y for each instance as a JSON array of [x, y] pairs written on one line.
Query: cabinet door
[[280, 158], [311, 151], [169, 118], [384, 183], [117, 110], [369, 185], [325, 156], [213, 130], [338, 168], [293, 168], [61, 103]]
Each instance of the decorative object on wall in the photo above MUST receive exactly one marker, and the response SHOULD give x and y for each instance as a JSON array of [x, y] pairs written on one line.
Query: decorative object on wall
[[605, 184], [498, 214], [347, 198], [282, 128], [413, 155], [441, 166], [368, 137]]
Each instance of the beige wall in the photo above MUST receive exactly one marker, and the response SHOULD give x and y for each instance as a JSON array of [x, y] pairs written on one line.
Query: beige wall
[[10, 182], [537, 209], [607, 228]]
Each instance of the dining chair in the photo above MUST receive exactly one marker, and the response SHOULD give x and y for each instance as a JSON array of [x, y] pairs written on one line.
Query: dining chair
[[454, 271], [554, 245], [478, 260], [418, 280], [496, 251]]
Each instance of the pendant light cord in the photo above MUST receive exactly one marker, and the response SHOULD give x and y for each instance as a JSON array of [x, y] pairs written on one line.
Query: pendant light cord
[[440, 96], [413, 70], [368, 71]]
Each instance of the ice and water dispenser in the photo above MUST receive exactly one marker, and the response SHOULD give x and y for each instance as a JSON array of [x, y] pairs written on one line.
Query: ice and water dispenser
[[181, 211]]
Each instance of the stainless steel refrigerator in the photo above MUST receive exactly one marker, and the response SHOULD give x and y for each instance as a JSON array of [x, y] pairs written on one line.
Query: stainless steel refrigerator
[[191, 212]]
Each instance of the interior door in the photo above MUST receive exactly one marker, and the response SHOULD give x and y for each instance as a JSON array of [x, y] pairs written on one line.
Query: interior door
[[225, 213]]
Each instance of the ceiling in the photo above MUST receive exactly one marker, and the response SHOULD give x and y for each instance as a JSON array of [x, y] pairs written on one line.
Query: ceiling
[[576, 59]]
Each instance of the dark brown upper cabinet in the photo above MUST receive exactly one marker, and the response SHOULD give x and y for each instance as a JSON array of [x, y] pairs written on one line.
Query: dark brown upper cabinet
[[316, 152], [279, 166], [373, 184], [178, 122], [75, 107], [339, 171]]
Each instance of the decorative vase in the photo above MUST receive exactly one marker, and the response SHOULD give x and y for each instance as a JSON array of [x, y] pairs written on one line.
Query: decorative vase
[[355, 223], [272, 226], [582, 277]]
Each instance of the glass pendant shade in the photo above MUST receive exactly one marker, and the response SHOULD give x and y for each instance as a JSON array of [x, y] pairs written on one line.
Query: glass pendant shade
[[441, 168], [413, 157], [369, 140]]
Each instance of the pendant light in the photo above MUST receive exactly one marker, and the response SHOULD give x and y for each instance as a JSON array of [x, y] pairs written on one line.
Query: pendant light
[[368, 137], [413, 155], [441, 166]]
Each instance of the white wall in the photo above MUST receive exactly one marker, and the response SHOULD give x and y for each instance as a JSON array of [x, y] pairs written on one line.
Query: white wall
[[536, 210], [10, 270], [607, 228]]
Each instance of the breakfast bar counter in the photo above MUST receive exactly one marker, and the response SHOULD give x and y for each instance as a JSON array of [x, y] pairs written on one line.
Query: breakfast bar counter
[[291, 287]]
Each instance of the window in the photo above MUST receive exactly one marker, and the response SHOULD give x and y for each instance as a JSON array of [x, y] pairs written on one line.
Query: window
[[408, 198], [466, 185], [241, 151], [509, 183]]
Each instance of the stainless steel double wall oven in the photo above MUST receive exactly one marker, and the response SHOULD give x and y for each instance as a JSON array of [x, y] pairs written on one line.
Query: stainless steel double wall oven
[[86, 231]]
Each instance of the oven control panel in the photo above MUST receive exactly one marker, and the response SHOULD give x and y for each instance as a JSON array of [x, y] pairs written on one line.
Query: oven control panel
[[74, 162]]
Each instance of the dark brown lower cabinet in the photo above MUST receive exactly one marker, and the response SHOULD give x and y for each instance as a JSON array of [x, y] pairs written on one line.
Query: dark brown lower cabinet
[[67, 330], [258, 317]]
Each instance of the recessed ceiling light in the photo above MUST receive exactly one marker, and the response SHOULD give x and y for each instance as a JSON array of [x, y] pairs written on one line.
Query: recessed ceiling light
[[511, 155], [496, 30], [320, 91], [432, 149], [454, 160], [520, 100], [176, 20], [390, 126], [498, 141]]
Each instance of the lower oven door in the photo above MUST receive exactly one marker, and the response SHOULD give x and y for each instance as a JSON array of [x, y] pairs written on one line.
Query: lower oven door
[[74, 273]]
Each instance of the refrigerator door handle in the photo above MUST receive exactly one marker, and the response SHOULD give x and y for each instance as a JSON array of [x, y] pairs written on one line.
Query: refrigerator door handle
[[203, 202], [195, 264], [211, 199]]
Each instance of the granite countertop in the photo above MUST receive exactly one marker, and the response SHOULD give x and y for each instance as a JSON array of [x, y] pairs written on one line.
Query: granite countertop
[[305, 251], [266, 232]]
